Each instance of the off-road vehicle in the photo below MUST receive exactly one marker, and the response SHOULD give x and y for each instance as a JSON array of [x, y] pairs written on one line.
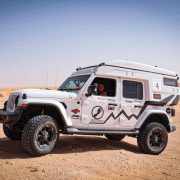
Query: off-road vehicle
[[114, 100]]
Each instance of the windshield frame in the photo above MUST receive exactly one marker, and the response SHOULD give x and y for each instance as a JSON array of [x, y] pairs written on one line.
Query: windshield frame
[[71, 77]]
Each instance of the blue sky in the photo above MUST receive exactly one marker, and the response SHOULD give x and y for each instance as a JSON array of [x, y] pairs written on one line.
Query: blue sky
[[53, 36]]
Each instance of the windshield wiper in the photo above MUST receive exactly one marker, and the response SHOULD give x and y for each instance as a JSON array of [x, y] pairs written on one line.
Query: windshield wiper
[[61, 89], [64, 89]]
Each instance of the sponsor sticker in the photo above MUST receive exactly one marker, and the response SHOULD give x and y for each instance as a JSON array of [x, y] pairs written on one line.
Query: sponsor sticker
[[111, 108], [75, 116], [97, 112]]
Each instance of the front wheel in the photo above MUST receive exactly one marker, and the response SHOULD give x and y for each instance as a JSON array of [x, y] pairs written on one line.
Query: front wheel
[[40, 135], [152, 138]]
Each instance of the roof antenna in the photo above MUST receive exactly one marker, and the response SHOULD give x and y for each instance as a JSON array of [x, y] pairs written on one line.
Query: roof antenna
[[55, 83], [46, 80]]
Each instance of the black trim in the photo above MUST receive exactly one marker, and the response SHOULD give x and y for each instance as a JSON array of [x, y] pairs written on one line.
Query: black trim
[[147, 103], [52, 105], [65, 106], [176, 100], [10, 117], [162, 102], [72, 130]]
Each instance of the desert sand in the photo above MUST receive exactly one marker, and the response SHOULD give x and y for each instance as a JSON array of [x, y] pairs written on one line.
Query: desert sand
[[90, 157]]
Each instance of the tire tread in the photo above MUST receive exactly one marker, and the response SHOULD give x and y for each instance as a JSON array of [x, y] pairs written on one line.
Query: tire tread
[[29, 130], [142, 137]]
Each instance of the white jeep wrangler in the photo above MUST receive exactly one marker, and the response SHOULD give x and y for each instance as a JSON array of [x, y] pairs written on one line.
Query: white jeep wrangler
[[115, 100]]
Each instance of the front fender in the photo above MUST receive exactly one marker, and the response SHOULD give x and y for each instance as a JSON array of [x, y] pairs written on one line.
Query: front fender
[[56, 104]]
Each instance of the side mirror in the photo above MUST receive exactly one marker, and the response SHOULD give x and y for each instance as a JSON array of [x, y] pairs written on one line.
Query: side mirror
[[91, 90]]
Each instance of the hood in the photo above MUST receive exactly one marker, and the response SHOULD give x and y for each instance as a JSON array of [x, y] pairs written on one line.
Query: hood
[[47, 94]]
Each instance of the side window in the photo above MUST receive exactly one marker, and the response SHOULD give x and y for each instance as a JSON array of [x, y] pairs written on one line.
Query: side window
[[132, 90], [105, 87], [170, 82]]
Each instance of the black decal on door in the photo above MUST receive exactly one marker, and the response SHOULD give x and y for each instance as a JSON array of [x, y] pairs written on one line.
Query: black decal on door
[[97, 112]]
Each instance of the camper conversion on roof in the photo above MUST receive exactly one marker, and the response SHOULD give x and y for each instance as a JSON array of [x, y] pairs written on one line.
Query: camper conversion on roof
[[110, 99]]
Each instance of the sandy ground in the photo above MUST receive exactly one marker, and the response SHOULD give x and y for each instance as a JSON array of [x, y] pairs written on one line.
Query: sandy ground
[[90, 157]]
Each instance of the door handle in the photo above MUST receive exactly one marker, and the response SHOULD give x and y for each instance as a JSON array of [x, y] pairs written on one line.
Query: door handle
[[138, 106], [112, 104]]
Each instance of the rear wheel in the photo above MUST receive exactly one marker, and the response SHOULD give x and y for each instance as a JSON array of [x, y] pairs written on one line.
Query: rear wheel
[[115, 137], [12, 133], [40, 135], [153, 138]]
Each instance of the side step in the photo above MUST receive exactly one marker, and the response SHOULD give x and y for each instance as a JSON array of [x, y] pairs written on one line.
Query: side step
[[71, 130]]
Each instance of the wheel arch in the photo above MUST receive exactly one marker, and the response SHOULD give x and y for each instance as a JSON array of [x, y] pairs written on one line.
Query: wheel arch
[[57, 111], [161, 118]]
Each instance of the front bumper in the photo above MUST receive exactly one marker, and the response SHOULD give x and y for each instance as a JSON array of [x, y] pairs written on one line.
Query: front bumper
[[10, 117]]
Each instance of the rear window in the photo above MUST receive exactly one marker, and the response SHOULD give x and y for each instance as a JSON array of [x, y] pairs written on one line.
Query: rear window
[[170, 82]]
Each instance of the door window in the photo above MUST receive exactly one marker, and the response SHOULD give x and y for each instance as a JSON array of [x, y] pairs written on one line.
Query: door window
[[105, 87], [132, 90]]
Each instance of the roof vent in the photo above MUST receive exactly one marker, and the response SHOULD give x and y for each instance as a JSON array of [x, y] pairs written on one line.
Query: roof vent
[[79, 68], [102, 64]]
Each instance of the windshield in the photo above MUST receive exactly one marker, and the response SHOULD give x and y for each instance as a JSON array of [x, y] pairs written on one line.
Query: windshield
[[74, 83]]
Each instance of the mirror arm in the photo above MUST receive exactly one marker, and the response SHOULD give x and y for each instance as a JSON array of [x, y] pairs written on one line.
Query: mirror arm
[[87, 95]]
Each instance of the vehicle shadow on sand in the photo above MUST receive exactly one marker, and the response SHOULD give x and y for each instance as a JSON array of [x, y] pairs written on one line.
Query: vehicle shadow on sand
[[67, 144]]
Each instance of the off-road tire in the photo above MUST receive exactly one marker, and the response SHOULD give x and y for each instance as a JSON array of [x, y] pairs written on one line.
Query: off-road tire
[[114, 137], [145, 137], [12, 134], [30, 133]]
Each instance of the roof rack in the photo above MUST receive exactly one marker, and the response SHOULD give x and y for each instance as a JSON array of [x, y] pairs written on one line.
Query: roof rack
[[101, 64], [122, 67]]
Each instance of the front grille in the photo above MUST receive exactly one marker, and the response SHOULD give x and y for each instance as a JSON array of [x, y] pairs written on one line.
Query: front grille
[[11, 103]]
